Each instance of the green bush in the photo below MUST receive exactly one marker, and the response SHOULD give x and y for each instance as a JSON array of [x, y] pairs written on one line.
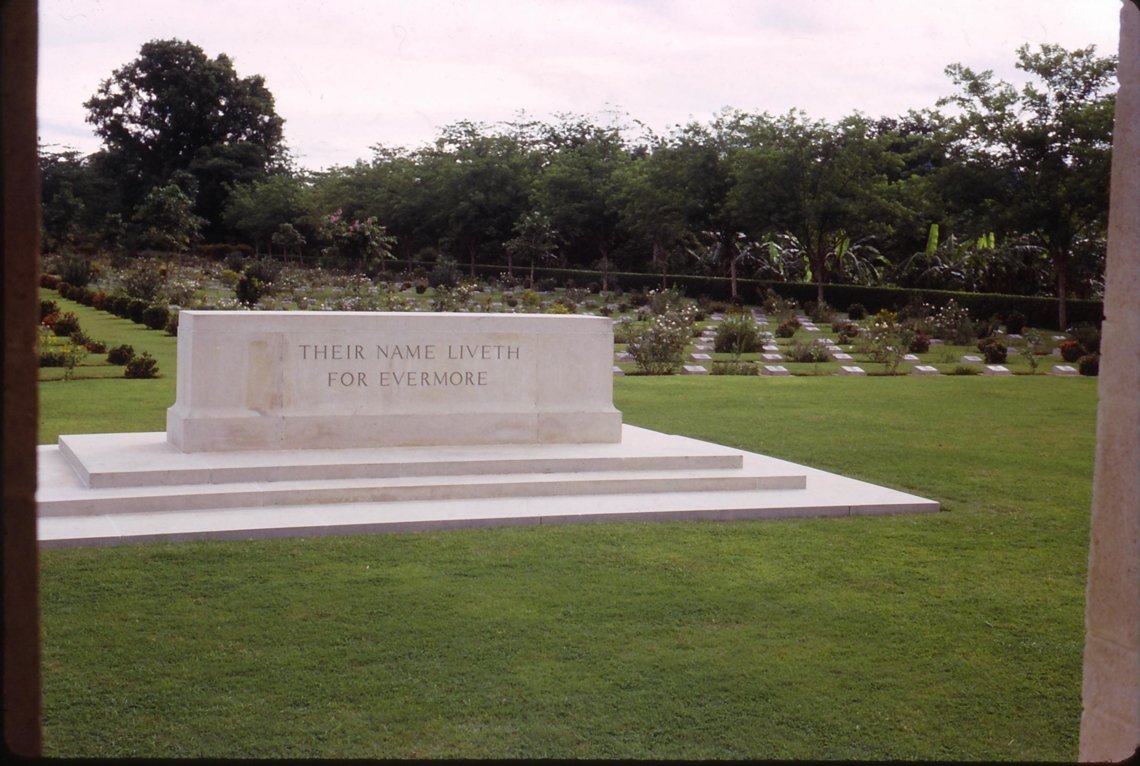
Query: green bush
[[919, 344], [1088, 336], [66, 324], [807, 352], [733, 368], [135, 309], [1014, 322], [856, 311], [53, 357], [142, 366], [787, 328], [445, 273], [172, 324], [657, 349], [121, 354], [737, 335], [75, 269], [119, 305], [1089, 364], [155, 317], [48, 308], [993, 350]]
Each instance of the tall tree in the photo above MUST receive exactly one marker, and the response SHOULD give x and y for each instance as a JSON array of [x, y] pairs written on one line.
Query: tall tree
[[174, 109], [1051, 141], [823, 184], [579, 190]]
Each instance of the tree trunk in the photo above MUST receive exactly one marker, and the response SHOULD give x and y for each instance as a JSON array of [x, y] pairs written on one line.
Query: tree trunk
[[605, 268], [1060, 265], [732, 277], [471, 256]]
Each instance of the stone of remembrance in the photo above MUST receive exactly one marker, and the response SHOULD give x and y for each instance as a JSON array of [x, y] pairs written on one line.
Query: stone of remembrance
[[315, 423]]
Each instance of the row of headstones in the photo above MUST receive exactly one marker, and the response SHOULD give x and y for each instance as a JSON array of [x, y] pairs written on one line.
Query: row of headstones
[[704, 345]]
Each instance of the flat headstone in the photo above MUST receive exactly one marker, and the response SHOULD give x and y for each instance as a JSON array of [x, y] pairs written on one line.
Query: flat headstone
[[772, 357], [834, 349], [851, 370], [1056, 352], [995, 369], [700, 357], [1012, 351], [774, 369], [694, 369], [842, 357], [623, 356], [1060, 337], [936, 342], [812, 328], [970, 359], [618, 370], [825, 341], [924, 369], [1013, 336], [717, 317], [910, 358], [762, 322], [770, 348], [1065, 370]]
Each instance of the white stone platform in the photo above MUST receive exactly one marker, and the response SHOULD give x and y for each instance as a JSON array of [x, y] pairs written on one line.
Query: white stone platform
[[117, 488]]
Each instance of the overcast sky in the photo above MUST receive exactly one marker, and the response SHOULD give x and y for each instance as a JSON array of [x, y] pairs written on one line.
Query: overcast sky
[[349, 74]]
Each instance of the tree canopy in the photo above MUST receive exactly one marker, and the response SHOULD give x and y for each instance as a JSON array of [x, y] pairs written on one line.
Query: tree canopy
[[173, 109], [1006, 190]]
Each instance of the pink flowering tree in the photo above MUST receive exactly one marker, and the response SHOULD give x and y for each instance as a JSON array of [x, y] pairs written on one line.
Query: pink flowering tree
[[366, 243]]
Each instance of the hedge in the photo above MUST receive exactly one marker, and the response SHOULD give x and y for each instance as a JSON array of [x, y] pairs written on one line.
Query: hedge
[[1039, 311]]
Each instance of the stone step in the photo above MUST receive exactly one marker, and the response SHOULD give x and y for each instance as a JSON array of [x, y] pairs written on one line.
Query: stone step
[[105, 461], [112, 517], [405, 489]]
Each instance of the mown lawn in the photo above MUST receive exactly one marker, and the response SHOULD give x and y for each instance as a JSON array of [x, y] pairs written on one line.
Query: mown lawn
[[955, 635]]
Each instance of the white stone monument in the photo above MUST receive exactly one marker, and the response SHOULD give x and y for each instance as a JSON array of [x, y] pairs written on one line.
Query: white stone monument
[[312, 423], [320, 380]]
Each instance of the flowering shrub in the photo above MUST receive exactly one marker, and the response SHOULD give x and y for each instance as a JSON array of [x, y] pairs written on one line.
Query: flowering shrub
[[993, 350], [951, 323], [807, 352], [663, 301], [657, 349], [919, 344], [885, 340], [364, 243], [737, 335], [1071, 351], [846, 331], [1089, 364], [787, 328]]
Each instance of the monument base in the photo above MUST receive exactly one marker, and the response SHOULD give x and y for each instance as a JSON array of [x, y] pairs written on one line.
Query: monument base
[[105, 489]]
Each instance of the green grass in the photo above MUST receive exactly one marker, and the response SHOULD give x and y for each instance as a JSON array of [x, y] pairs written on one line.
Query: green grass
[[99, 399], [955, 635]]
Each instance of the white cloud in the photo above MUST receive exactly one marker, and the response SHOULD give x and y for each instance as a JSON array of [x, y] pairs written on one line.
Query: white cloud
[[348, 74]]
